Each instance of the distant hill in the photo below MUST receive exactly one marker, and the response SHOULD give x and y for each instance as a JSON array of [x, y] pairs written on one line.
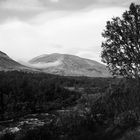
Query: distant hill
[[69, 65], [8, 64]]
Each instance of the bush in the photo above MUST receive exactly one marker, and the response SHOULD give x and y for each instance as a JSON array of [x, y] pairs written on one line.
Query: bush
[[126, 119], [118, 98]]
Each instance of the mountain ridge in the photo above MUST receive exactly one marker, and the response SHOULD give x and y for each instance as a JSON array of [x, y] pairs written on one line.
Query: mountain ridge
[[69, 65], [58, 64], [8, 64]]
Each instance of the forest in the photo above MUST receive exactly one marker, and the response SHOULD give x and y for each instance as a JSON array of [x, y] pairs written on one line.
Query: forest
[[22, 92], [79, 107]]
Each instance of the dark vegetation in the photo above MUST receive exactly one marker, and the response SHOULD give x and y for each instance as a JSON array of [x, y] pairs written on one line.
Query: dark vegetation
[[96, 108], [121, 48], [22, 93]]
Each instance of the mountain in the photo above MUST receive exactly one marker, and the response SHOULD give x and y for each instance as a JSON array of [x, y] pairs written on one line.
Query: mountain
[[69, 65], [7, 64]]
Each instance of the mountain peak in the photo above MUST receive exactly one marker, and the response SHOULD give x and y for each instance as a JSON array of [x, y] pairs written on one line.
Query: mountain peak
[[69, 65]]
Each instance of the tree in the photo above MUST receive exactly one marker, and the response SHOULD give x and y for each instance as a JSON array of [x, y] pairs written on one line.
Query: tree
[[121, 48]]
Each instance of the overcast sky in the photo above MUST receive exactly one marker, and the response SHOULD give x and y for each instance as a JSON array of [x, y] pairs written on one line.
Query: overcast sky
[[29, 28]]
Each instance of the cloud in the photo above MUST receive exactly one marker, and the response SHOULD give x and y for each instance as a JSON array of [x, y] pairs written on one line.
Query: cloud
[[45, 65], [60, 4], [54, 1], [22, 5], [32, 27], [28, 9], [76, 33]]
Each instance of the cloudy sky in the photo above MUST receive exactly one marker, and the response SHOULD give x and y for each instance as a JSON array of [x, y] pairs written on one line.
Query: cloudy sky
[[29, 28]]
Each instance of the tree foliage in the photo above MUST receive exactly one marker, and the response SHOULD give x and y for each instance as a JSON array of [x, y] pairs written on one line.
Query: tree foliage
[[121, 48]]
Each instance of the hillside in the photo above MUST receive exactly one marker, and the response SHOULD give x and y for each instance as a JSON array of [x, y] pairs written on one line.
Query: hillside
[[69, 65], [8, 64]]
